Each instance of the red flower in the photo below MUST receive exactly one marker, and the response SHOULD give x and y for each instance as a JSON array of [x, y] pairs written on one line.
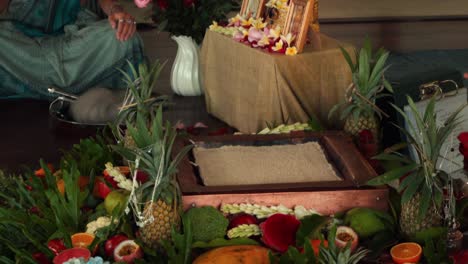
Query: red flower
[[279, 231], [463, 138], [56, 246], [189, 3], [460, 257], [162, 4]]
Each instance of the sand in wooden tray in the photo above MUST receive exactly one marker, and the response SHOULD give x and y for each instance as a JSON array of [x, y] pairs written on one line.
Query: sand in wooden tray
[[246, 165]]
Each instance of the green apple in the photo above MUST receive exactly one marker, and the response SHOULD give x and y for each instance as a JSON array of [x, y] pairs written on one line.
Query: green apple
[[116, 198]]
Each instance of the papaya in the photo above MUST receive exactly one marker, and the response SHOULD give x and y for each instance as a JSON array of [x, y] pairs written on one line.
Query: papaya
[[241, 254]]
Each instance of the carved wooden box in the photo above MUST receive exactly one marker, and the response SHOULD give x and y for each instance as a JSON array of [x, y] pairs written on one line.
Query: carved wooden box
[[326, 197]]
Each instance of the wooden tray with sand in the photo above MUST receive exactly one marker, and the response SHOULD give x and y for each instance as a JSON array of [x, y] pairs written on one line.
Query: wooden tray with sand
[[323, 171]]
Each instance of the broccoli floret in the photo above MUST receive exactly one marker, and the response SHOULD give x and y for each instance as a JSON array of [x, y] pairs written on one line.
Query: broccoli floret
[[207, 223]]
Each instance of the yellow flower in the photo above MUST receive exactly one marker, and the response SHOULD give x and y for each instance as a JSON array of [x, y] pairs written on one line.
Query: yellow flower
[[214, 26], [291, 51], [275, 33], [235, 19], [278, 46], [244, 31], [247, 23], [258, 23]]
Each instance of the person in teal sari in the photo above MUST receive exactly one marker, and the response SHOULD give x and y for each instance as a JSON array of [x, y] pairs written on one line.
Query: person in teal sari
[[59, 43]]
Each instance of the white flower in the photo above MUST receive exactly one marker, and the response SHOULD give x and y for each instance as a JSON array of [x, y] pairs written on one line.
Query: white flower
[[126, 184], [301, 212], [289, 38], [119, 177], [264, 41], [101, 222], [275, 33], [278, 46]]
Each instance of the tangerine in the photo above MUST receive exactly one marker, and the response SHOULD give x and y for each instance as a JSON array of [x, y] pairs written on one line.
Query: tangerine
[[82, 240], [409, 252]]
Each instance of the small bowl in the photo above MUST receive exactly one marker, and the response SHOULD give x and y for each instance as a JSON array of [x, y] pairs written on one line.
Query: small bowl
[[62, 123]]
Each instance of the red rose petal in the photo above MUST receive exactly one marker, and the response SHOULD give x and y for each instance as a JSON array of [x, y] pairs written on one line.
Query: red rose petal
[[463, 137], [279, 231]]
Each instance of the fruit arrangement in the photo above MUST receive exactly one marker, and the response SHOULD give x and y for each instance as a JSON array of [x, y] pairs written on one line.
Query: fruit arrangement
[[118, 200]]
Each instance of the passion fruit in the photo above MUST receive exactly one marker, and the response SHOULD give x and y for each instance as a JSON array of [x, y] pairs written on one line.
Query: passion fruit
[[127, 251], [346, 235]]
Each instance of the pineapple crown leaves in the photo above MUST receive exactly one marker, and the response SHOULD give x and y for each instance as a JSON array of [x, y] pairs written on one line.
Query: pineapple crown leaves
[[335, 255], [368, 82], [154, 150], [427, 138], [138, 99]]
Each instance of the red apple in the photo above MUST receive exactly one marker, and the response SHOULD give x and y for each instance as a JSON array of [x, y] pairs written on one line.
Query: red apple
[[127, 251], [112, 243], [345, 235]]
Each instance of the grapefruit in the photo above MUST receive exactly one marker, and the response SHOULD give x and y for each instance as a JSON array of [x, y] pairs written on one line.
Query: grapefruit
[[67, 254]]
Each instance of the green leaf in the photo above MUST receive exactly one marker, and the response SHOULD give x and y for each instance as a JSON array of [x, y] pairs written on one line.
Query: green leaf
[[426, 201], [392, 175], [348, 59], [394, 157], [414, 185], [310, 228], [315, 125]]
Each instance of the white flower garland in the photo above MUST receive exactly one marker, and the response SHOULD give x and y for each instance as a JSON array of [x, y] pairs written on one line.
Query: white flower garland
[[122, 181]]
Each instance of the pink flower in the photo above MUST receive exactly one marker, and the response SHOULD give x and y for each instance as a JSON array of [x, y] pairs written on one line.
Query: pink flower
[[142, 3], [255, 35], [238, 36]]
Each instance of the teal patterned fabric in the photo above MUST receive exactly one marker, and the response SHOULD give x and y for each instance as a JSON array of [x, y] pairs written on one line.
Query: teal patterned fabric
[[79, 52], [37, 18]]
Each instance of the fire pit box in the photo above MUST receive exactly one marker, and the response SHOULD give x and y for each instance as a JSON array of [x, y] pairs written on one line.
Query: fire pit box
[[325, 197]]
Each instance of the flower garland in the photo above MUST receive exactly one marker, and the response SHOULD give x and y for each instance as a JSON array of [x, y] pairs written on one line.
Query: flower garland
[[122, 181], [254, 32]]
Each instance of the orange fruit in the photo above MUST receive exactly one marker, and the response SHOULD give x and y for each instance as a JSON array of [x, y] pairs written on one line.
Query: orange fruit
[[61, 186], [41, 172], [406, 253], [82, 183], [315, 243], [82, 240]]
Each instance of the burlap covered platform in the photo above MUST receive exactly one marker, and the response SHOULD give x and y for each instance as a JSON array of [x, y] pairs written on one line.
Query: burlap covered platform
[[250, 165], [247, 87]]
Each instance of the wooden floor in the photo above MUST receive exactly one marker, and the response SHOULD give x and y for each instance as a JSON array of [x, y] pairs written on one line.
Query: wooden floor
[[28, 134]]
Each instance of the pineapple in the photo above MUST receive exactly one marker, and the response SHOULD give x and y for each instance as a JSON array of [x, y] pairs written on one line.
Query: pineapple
[[160, 197], [359, 110], [147, 145], [422, 189]]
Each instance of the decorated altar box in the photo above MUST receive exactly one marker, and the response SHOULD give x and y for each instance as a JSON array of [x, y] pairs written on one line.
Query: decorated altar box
[[337, 184], [248, 88]]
